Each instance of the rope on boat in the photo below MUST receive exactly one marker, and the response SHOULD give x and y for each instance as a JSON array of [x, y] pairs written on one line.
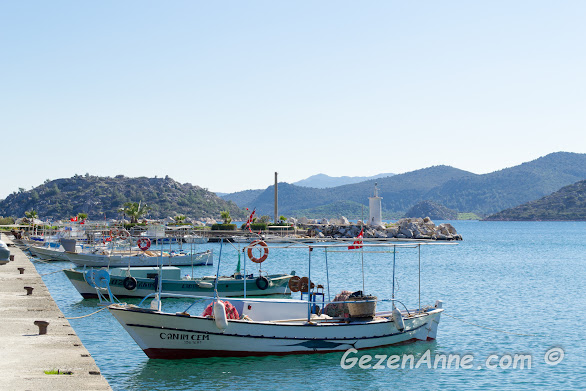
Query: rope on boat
[[85, 316], [497, 330]]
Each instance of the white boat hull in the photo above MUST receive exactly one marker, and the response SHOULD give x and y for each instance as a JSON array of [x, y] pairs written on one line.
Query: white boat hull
[[97, 260], [47, 254], [173, 336]]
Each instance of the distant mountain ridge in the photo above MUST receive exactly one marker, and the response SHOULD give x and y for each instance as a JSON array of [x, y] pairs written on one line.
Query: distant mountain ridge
[[244, 197], [103, 196], [323, 181], [456, 189], [397, 191], [568, 203]]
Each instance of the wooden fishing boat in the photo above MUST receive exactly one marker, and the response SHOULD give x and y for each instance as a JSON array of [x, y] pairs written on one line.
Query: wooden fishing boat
[[269, 327], [258, 327], [107, 258], [139, 282]]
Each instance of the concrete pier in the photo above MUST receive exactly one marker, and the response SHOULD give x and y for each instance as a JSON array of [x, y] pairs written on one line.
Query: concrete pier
[[35, 336]]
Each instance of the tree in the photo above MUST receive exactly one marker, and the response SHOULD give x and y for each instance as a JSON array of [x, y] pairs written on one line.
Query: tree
[[264, 219], [31, 216], [282, 218], [225, 214], [81, 216], [179, 219], [135, 210]]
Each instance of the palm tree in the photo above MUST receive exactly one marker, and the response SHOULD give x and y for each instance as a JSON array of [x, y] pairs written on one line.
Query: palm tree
[[179, 219], [226, 216], [81, 216], [31, 216], [135, 210]]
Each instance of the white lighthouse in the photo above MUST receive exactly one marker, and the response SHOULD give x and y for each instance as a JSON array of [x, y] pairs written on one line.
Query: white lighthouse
[[375, 205]]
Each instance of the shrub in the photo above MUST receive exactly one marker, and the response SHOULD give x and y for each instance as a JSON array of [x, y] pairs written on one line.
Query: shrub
[[6, 220], [255, 226], [223, 227]]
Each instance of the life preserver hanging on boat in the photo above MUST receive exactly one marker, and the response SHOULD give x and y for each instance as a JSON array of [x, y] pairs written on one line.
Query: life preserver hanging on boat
[[262, 283], [304, 286], [123, 234], [294, 283], [264, 247], [129, 283], [143, 243]]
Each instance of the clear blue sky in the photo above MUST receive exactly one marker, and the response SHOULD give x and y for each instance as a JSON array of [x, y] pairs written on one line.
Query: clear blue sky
[[222, 94]]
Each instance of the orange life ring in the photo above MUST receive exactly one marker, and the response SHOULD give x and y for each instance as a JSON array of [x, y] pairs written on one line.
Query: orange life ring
[[143, 243], [263, 246]]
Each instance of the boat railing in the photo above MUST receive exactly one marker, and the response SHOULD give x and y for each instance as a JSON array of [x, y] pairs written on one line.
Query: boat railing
[[258, 300]]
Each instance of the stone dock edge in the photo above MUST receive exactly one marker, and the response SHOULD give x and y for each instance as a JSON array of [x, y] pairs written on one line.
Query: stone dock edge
[[26, 353]]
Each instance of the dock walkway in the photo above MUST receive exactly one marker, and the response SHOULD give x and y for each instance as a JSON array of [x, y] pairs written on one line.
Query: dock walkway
[[25, 354]]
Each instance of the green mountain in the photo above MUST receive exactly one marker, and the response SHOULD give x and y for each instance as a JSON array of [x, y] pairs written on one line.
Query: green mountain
[[398, 192], [99, 196], [507, 188], [432, 210], [245, 197], [453, 188], [349, 209], [568, 203]]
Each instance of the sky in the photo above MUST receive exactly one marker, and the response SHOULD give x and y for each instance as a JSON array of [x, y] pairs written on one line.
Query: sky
[[223, 94]]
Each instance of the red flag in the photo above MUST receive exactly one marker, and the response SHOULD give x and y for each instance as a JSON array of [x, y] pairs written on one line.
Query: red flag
[[74, 218], [357, 243], [249, 221]]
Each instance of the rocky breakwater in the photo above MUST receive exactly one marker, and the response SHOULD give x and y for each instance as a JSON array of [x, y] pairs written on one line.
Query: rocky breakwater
[[407, 228]]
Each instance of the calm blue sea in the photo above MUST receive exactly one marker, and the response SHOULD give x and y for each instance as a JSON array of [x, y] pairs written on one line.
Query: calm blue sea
[[517, 277]]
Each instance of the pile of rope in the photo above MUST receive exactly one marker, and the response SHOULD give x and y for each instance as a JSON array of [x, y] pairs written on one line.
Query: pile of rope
[[338, 310], [231, 311]]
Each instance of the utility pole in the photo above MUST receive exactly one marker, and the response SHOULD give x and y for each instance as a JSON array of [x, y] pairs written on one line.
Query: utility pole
[[276, 199]]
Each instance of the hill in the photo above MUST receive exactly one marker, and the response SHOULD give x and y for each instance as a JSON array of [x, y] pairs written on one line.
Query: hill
[[568, 203], [397, 192], [507, 188], [432, 210], [453, 188], [323, 181], [245, 197], [99, 196]]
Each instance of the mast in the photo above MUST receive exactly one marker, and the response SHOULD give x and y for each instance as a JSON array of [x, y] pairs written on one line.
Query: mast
[[276, 199]]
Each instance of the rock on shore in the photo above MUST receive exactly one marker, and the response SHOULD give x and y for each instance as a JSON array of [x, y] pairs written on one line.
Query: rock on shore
[[407, 228]]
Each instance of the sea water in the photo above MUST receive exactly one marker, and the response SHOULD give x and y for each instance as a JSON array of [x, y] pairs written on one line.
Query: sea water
[[511, 288]]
